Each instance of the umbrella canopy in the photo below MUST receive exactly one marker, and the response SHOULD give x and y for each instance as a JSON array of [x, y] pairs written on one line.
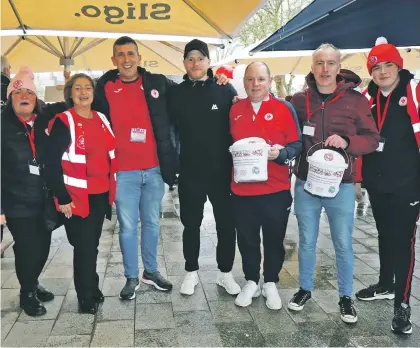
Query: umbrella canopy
[[295, 63], [348, 24], [49, 54], [204, 18]]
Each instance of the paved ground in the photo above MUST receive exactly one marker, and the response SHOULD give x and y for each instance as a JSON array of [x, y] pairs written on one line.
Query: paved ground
[[209, 317]]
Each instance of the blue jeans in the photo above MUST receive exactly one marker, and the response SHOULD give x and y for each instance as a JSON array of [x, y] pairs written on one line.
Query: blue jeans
[[340, 212], [139, 191]]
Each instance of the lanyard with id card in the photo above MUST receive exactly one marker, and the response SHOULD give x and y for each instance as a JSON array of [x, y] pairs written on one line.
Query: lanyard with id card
[[381, 118], [308, 127], [33, 165]]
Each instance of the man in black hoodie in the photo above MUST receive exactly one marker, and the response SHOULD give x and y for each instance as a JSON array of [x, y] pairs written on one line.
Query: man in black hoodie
[[392, 178], [200, 110]]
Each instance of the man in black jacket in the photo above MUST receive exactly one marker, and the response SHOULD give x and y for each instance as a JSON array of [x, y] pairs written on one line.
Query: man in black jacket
[[134, 101], [391, 176], [5, 79], [199, 107]]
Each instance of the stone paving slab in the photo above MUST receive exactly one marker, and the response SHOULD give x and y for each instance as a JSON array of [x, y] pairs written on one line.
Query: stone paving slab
[[208, 318]]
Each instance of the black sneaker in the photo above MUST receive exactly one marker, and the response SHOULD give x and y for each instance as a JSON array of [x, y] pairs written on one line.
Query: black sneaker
[[156, 280], [299, 299], [128, 292], [43, 294], [401, 322], [347, 310], [375, 292]]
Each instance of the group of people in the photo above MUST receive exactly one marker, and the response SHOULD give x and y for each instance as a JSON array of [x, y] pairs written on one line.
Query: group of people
[[113, 142]]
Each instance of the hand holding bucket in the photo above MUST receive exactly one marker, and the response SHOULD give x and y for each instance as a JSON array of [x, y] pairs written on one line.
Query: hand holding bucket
[[326, 170]]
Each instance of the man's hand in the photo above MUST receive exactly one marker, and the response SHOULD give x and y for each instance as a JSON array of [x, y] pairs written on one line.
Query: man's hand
[[336, 141], [221, 79], [67, 209], [67, 75], [3, 219], [273, 153], [236, 99]]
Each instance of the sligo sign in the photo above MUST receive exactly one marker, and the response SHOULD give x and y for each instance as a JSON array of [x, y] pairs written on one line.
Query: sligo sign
[[118, 15]]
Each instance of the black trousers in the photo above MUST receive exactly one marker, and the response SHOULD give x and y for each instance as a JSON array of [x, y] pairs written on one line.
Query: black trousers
[[84, 234], [31, 248], [396, 215], [271, 212], [192, 197]]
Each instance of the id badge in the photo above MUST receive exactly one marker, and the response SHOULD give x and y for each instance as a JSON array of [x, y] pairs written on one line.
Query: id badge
[[381, 145], [138, 135], [309, 129], [33, 168]]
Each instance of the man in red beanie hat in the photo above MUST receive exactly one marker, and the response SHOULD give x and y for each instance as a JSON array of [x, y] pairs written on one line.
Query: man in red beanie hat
[[392, 178]]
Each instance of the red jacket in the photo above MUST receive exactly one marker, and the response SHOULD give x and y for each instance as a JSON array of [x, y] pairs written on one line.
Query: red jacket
[[74, 164], [348, 116], [276, 123]]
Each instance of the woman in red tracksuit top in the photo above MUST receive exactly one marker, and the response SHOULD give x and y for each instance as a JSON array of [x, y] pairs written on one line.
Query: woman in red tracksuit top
[[81, 174], [264, 204]]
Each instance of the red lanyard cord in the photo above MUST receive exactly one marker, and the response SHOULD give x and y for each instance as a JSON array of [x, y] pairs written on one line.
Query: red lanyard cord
[[30, 134], [381, 118], [323, 106]]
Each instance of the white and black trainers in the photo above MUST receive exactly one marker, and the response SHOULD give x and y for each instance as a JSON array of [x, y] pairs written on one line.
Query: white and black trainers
[[347, 310], [401, 323], [128, 292], [299, 299], [155, 279], [375, 292]]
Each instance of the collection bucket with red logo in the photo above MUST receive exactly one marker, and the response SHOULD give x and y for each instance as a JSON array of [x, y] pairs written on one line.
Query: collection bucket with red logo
[[250, 160], [326, 170]]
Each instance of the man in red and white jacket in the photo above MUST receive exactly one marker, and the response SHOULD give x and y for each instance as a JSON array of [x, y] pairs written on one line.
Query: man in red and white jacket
[[391, 176], [264, 204]]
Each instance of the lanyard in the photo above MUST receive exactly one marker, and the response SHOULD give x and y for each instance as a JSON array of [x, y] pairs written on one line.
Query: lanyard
[[30, 134], [323, 106], [381, 118]]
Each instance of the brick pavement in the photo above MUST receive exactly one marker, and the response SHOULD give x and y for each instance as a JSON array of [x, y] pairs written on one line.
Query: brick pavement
[[209, 317]]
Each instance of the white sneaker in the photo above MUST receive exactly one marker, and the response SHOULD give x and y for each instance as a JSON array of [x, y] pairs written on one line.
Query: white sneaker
[[189, 283], [270, 292], [226, 281], [250, 290]]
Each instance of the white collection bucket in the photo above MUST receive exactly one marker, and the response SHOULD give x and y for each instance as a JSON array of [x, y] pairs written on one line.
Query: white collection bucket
[[250, 158], [326, 170]]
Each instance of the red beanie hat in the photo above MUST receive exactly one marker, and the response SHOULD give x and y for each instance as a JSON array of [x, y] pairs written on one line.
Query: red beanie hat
[[383, 52]]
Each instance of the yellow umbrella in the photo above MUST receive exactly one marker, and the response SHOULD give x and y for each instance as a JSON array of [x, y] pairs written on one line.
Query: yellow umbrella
[[205, 18], [299, 62], [49, 54]]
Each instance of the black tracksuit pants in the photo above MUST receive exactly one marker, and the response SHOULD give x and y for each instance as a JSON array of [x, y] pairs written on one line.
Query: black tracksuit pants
[[31, 248], [396, 215], [193, 194], [84, 234], [271, 212]]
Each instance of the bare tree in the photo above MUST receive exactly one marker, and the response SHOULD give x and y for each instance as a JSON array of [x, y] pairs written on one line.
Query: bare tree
[[266, 21]]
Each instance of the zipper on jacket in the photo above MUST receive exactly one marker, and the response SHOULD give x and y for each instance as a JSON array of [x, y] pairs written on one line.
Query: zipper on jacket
[[322, 124]]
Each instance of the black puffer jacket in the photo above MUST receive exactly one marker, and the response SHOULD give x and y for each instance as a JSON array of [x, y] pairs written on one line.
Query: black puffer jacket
[[21, 192], [168, 158]]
